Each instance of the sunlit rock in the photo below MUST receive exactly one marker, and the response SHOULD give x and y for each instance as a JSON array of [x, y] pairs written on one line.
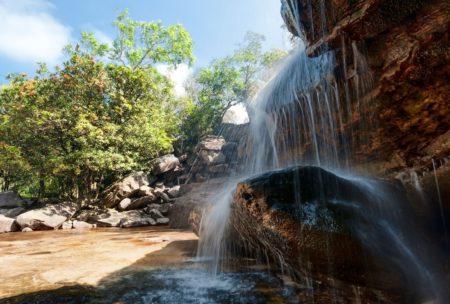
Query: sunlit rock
[[47, 218]]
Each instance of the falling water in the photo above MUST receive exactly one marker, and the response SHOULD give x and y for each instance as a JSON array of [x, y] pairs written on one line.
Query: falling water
[[299, 118], [438, 190]]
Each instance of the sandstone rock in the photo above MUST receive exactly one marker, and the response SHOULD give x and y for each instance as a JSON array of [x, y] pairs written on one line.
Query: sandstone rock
[[28, 229], [174, 191], [8, 224], [211, 143], [81, 225], [10, 199], [163, 221], [212, 157], [49, 217], [112, 196], [309, 216], [13, 212], [165, 164]]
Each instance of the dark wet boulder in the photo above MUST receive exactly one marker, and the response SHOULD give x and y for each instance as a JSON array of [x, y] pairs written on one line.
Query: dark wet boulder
[[307, 220]]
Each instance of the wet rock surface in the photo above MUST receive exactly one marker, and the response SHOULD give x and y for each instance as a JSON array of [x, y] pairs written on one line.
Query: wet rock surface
[[406, 46], [306, 220]]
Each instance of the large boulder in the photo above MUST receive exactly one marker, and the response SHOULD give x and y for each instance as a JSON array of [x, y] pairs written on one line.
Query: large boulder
[[165, 164], [211, 143], [112, 196], [10, 199], [310, 221], [47, 218], [8, 224]]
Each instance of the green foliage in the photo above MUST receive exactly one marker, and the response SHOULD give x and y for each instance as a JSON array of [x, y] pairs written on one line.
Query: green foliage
[[226, 82], [64, 133], [141, 44]]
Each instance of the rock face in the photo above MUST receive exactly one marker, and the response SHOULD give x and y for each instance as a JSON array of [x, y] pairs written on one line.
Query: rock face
[[311, 221], [47, 218], [406, 46]]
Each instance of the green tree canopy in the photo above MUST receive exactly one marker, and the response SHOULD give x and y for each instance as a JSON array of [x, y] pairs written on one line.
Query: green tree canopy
[[226, 82], [70, 131]]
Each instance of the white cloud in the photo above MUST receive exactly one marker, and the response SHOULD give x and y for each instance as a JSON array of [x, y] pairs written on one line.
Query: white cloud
[[29, 33], [178, 76]]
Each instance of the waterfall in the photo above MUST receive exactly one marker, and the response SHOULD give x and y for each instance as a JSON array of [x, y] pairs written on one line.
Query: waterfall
[[305, 115]]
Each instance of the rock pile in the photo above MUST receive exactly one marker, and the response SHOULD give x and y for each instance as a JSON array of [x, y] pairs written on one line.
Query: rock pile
[[214, 158]]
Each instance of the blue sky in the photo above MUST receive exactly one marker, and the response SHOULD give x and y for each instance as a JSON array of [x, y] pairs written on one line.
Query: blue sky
[[36, 30]]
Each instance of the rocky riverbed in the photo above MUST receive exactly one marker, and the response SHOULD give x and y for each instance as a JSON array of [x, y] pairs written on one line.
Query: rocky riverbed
[[139, 265]]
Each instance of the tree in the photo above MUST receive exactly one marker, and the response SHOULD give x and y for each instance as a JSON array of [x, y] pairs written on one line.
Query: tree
[[226, 82], [141, 44], [68, 132]]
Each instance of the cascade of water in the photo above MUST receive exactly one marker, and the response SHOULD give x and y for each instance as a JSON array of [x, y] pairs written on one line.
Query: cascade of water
[[299, 117], [438, 190]]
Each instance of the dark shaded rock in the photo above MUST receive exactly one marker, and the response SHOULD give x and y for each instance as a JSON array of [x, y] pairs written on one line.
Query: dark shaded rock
[[293, 215], [155, 214], [141, 202], [165, 164], [187, 210], [10, 199], [13, 212], [162, 195]]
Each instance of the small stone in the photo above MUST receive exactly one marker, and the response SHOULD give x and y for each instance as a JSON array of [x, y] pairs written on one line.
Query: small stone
[[123, 205], [163, 221], [27, 229]]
